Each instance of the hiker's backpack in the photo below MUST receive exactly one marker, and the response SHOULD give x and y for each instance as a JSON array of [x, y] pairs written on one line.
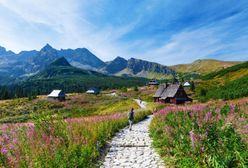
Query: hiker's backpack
[[130, 115]]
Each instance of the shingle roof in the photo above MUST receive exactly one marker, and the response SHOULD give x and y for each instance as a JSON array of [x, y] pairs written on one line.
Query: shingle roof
[[170, 91], [153, 82], [93, 90], [55, 93], [186, 84], [160, 90]]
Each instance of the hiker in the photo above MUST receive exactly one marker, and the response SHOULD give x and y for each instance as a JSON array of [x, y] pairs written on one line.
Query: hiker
[[131, 118], [154, 110], [140, 100]]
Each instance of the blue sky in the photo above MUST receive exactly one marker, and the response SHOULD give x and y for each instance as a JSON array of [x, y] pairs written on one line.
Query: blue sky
[[164, 31]]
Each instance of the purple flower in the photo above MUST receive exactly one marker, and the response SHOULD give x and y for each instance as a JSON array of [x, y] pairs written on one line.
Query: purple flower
[[192, 138], [208, 116], [246, 127], [191, 114], [232, 107], [4, 151], [217, 110]]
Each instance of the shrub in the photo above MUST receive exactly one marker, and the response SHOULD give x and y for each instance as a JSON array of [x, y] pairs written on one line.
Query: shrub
[[136, 88]]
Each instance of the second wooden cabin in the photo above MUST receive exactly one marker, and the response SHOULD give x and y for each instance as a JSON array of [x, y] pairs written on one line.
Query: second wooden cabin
[[171, 93], [93, 90]]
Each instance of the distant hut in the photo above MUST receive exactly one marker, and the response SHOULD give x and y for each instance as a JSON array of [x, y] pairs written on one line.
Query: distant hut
[[93, 90], [186, 84], [153, 82], [172, 93], [159, 92], [57, 95]]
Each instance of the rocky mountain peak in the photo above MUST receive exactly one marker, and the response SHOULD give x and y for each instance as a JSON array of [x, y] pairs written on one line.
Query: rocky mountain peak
[[60, 62], [116, 65], [2, 50], [47, 47]]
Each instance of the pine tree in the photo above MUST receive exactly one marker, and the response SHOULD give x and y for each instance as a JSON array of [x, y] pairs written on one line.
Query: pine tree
[[192, 86]]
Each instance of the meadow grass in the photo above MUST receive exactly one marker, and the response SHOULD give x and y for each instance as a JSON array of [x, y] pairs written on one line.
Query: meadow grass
[[213, 134], [76, 105], [72, 133], [52, 141]]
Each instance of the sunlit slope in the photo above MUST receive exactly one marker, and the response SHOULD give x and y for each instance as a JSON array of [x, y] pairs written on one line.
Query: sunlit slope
[[204, 66]]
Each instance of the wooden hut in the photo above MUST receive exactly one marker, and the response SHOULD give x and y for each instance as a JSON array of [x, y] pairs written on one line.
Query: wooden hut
[[153, 82], [93, 90], [159, 92], [186, 84], [57, 95], [172, 93]]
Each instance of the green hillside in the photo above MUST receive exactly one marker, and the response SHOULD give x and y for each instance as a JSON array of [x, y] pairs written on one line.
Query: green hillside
[[5, 80], [229, 83], [223, 72], [61, 75], [145, 74], [79, 83], [63, 71], [202, 67], [230, 90]]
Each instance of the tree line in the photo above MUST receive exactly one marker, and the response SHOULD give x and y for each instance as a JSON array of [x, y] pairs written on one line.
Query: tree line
[[40, 87]]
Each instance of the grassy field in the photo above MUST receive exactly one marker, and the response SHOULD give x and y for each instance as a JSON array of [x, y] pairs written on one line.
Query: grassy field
[[76, 105], [212, 134], [72, 133], [53, 142]]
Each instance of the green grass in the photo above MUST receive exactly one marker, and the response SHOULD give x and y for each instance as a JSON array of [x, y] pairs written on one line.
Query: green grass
[[229, 90], [226, 71], [53, 142], [227, 84], [22, 109], [64, 134], [202, 66], [76, 105]]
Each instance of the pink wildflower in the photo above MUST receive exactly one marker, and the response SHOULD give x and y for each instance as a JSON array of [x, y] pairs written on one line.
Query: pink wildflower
[[232, 107], [4, 151], [192, 138], [208, 116]]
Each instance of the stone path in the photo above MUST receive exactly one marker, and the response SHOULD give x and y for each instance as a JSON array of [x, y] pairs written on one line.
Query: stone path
[[142, 104], [132, 149]]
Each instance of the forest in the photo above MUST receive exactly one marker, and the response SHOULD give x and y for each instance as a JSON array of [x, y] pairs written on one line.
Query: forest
[[31, 88]]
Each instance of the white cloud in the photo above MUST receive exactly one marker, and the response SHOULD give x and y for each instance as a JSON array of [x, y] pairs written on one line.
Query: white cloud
[[33, 23], [187, 46], [30, 24], [206, 42]]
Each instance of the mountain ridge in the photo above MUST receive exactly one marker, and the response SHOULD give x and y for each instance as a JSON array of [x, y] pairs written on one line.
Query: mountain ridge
[[60, 74], [115, 66], [30, 62], [27, 63], [61, 68], [60, 62]]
